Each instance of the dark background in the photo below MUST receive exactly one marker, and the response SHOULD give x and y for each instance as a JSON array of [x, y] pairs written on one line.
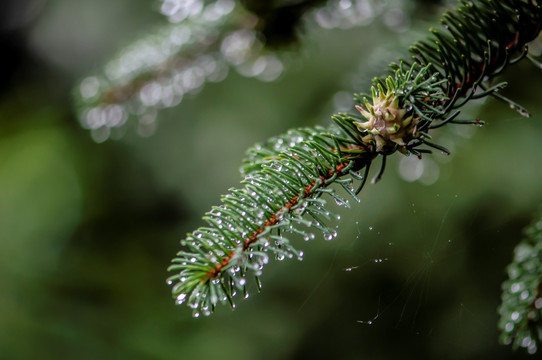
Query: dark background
[[87, 230]]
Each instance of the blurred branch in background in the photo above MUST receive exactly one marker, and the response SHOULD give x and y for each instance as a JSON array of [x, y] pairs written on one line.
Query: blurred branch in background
[[520, 312]]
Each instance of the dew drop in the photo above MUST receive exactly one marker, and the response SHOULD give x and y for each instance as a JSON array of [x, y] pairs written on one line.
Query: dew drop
[[526, 341], [181, 298], [213, 299]]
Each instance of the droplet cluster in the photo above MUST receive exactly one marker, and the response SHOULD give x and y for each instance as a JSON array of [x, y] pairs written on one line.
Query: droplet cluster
[[282, 196]]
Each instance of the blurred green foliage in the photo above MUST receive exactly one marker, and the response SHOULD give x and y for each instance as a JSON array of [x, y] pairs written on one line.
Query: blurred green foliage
[[87, 230]]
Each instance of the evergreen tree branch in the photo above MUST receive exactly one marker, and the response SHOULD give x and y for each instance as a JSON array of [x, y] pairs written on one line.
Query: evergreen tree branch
[[521, 308], [286, 177]]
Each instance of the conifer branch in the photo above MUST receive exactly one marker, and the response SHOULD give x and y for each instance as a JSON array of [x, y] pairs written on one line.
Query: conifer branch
[[521, 309], [286, 177]]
